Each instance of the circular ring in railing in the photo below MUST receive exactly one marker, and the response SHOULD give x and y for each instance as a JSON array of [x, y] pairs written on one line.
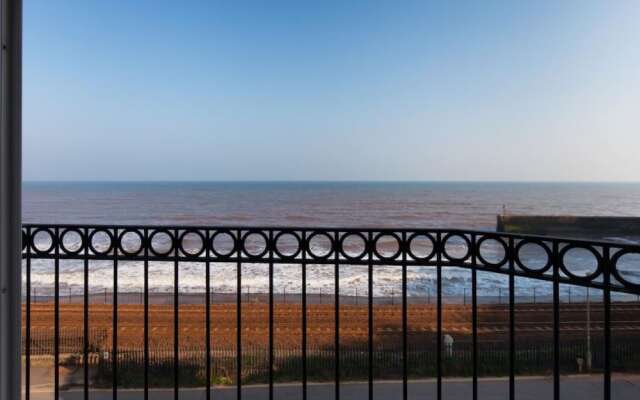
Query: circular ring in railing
[[65, 234], [184, 238], [359, 237], [93, 246], [414, 239], [378, 241], [616, 270], [51, 237], [500, 243], [156, 248], [318, 236], [281, 238], [220, 236], [567, 269], [122, 237], [465, 241], [248, 237], [532, 242]]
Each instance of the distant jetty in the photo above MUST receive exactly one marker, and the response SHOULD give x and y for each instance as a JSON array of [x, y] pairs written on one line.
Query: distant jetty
[[570, 226]]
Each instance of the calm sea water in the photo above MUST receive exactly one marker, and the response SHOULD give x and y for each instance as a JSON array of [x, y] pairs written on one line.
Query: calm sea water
[[429, 204], [352, 204]]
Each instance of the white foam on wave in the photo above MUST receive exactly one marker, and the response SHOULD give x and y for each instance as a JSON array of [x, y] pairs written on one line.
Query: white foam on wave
[[421, 281]]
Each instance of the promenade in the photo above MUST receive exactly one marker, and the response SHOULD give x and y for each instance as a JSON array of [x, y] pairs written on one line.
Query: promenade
[[583, 387]]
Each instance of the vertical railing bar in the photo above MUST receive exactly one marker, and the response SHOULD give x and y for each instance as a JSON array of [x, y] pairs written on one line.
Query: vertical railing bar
[[147, 244], [270, 245], [240, 245], [337, 246], [607, 322], [369, 247], [56, 300], [85, 328], [440, 248], [207, 307], [176, 316], [114, 301], [404, 247], [304, 314], [27, 350], [512, 324], [556, 322], [474, 312]]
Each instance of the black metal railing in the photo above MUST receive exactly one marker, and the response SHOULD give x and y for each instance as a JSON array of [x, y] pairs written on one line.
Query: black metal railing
[[501, 254]]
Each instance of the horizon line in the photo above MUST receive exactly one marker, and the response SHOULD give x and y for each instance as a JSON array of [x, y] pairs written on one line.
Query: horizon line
[[329, 181]]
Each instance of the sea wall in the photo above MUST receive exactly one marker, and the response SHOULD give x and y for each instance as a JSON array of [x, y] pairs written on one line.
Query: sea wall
[[570, 226]]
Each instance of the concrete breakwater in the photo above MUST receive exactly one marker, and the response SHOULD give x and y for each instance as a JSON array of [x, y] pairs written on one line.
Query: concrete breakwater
[[570, 226]]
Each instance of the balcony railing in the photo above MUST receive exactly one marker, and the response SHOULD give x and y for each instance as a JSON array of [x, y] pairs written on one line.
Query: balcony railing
[[608, 269]]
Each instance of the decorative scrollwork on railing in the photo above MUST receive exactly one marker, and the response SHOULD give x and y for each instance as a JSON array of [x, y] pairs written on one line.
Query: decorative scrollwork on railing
[[578, 262]]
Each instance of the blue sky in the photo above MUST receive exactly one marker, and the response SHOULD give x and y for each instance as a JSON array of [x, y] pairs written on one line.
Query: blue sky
[[345, 90]]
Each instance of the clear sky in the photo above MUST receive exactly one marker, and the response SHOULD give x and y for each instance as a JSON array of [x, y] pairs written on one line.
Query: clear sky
[[345, 90]]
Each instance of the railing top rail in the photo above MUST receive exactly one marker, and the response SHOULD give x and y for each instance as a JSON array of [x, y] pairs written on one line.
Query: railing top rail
[[345, 229], [447, 247]]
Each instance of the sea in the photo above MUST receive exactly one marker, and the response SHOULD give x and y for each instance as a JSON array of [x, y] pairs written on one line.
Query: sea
[[465, 205]]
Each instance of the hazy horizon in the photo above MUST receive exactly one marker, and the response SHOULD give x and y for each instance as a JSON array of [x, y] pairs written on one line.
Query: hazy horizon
[[332, 181]]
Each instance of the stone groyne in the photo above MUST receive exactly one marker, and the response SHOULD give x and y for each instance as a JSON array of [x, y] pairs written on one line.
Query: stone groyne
[[570, 226]]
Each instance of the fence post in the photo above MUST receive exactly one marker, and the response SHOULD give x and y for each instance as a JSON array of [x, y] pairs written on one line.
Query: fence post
[[589, 359]]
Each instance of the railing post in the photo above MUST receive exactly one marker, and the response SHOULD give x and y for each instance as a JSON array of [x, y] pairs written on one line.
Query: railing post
[[556, 322], [474, 314], [405, 372], [207, 299], [269, 244], [146, 313], [512, 319], [336, 248], [10, 188], [370, 312], [27, 345], [85, 318], [439, 247], [239, 316], [607, 323], [304, 249]]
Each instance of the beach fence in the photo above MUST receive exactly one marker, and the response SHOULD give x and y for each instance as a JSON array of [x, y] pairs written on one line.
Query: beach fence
[[532, 358]]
